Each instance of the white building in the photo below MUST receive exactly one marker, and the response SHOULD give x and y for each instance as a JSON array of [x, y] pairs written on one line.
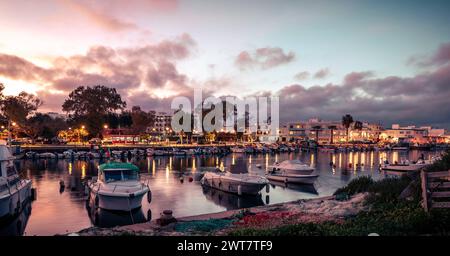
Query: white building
[[162, 123]]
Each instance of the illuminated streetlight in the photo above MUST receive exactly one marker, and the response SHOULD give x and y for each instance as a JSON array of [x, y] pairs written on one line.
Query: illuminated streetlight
[[14, 123], [82, 127], [105, 126]]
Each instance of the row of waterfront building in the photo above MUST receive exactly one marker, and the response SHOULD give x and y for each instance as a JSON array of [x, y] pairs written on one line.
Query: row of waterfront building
[[328, 132], [315, 129]]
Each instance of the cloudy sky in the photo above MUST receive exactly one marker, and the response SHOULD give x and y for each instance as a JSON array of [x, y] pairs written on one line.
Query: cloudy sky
[[381, 61]]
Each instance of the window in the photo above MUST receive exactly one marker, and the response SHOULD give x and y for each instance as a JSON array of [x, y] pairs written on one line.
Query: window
[[120, 175], [10, 170]]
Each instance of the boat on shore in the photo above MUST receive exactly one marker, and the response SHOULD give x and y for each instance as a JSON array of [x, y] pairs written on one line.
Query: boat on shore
[[236, 183], [117, 187], [292, 167], [14, 191]]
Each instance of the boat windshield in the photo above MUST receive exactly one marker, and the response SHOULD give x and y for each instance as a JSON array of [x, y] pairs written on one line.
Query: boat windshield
[[120, 175]]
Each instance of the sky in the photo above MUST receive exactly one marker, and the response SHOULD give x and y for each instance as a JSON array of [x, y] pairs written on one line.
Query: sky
[[381, 61]]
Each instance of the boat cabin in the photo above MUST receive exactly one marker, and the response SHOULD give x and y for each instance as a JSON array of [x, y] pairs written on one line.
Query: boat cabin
[[8, 173], [113, 172]]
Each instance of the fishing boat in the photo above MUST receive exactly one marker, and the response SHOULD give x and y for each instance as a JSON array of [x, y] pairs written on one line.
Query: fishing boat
[[292, 167], [282, 176], [118, 187], [236, 183], [14, 191]]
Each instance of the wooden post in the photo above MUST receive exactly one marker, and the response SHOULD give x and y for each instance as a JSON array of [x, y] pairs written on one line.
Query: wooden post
[[423, 177]]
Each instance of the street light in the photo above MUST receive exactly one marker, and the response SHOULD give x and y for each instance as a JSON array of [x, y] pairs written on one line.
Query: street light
[[82, 127], [105, 126]]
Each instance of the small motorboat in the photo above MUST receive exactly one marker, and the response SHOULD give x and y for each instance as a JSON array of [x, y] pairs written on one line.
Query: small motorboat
[[292, 167], [237, 183], [118, 187], [14, 191], [282, 176], [406, 166]]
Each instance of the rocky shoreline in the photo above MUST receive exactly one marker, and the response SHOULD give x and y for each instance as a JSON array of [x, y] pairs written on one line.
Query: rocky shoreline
[[318, 210]]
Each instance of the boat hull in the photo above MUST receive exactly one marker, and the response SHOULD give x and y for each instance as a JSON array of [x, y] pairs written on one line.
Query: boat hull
[[403, 168], [232, 186], [117, 202], [11, 204], [299, 179]]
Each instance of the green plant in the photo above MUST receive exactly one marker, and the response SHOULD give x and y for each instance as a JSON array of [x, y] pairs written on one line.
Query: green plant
[[358, 185]]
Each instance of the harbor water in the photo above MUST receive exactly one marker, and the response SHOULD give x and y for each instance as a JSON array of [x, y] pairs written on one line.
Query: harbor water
[[60, 210]]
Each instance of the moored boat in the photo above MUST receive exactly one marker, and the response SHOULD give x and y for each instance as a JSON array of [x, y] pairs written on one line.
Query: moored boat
[[292, 167], [14, 191], [240, 183], [118, 187]]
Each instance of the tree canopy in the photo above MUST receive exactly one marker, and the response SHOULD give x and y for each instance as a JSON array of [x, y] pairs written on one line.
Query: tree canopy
[[90, 105]]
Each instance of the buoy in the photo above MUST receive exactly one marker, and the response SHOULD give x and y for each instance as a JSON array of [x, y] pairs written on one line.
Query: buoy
[[239, 188], [149, 196], [191, 179]]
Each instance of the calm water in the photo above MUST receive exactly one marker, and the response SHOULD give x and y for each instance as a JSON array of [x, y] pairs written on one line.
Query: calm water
[[60, 211]]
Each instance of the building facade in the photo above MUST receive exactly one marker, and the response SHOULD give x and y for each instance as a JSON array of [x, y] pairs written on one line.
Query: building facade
[[162, 124], [327, 132]]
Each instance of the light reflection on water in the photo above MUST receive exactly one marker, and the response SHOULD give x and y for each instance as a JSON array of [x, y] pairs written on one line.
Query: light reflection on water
[[60, 211]]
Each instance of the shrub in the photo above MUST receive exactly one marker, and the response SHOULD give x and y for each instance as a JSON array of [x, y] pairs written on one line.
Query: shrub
[[358, 185]]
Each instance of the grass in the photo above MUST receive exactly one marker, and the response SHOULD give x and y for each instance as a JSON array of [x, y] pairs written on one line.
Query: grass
[[389, 215]]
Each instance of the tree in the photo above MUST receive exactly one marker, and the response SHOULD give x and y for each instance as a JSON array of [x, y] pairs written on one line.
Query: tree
[[18, 108], [141, 119], [42, 125], [317, 129], [332, 129], [90, 105], [347, 120]]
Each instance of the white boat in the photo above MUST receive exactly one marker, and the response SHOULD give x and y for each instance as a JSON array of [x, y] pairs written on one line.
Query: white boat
[[407, 166], [14, 191], [292, 178], [241, 183], [117, 187], [237, 149], [30, 154], [178, 152], [159, 152], [47, 155], [292, 167]]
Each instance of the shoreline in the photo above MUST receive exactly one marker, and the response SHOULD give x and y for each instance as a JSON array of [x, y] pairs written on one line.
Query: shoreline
[[315, 210]]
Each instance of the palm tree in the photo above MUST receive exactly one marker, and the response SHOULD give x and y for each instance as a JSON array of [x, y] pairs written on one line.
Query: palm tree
[[317, 129], [347, 120], [332, 129]]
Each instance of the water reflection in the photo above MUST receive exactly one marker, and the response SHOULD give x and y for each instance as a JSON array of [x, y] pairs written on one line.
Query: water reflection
[[107, 219], [305, 188], [231, 201], [15, 226], [59, 211]]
